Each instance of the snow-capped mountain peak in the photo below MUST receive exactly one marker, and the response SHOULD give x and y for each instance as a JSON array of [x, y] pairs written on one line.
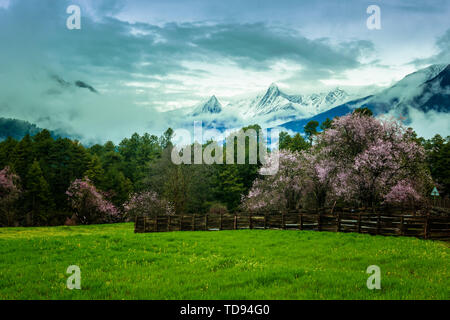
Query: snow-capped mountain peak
[[275, 105], [273, 89], [423, 90], [209, 107], [336, 94], [417, 78], [272, 97]]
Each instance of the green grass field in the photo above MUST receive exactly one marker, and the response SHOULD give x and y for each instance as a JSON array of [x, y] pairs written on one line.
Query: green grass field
[[249, 264]]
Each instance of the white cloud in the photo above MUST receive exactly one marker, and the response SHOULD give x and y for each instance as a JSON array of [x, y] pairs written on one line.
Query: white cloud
[[429, 124], [370, 75], [143, 68]]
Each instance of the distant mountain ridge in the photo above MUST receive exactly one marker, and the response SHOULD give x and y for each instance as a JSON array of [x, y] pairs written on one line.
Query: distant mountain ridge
[[424, 90], [342, 110], [17, 129], [438, 93]]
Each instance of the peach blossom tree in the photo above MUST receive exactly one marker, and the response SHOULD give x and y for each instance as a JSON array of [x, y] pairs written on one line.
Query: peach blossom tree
[[147, 203], [371, 161], [359, 160], [9, 194], [90, 205]]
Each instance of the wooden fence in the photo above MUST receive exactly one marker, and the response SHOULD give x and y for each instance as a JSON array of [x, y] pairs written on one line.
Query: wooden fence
[[440, 203], [426, 227]]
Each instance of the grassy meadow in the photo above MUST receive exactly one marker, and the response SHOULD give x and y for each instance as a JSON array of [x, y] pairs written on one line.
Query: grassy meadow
[[116, 263]]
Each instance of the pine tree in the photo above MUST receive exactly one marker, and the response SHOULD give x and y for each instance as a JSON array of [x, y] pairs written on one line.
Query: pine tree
[[284, 140], [296, 143], [230, 186], [22, 157], [95, 171], [326, 124], [6, 151], [38, 193], [311, 130], [116, 186]]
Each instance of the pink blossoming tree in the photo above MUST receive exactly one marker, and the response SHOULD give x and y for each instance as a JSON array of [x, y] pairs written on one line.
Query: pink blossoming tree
[[280, 191], [298, 183], [9, 194], [370, 161], [147, 203], [360, 159], [89, 204]]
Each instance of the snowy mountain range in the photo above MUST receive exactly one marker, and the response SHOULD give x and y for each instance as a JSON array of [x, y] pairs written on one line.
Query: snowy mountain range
[[273, 107], [274, 101], [422, 91], [420, 98], [426, 91]]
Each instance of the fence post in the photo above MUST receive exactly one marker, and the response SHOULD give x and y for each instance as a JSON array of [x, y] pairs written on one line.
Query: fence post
[[206, 222], [301, 222], [220, 225], [265, 221], [426, 227], [250, 222], [359, 222], [193, 222], [235, 222], [378, 223], [282, 222], [338, 222], [168, 223], [181, 222], [402, 225], [319, 227], [332, 208], [156, 224], [144, 224]]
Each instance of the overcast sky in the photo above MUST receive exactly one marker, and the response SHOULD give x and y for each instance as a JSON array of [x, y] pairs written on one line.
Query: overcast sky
[[144, 56]]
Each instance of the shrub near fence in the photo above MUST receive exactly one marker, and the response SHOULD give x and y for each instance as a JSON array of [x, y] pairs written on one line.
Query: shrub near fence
[[426, 227]]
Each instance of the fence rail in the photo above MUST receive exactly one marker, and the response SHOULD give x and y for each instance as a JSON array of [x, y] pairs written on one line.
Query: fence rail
[[426, 227], [439, 203]]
